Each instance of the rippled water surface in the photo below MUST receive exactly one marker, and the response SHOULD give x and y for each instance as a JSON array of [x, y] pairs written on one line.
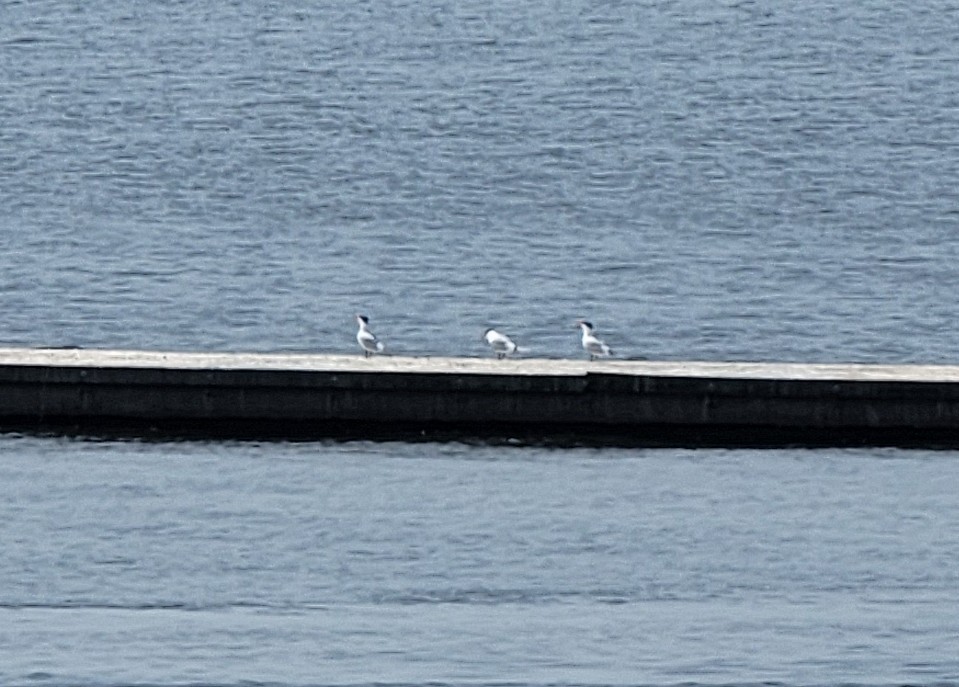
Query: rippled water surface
[[304, 564], [704, 180], [721, 180]]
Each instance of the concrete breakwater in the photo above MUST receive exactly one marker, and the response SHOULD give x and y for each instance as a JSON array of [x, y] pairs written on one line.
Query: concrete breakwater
[[613, 402]]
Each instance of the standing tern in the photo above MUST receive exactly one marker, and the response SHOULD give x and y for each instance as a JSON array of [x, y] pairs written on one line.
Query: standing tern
[[367, 339], [501, 344], [591, 344]]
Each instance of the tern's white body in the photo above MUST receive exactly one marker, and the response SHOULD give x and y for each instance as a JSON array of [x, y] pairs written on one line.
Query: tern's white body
[[367, 339], [501, 344], [592, 344]]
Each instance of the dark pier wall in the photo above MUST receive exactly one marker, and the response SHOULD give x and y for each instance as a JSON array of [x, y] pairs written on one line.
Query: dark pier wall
[[561, 402]]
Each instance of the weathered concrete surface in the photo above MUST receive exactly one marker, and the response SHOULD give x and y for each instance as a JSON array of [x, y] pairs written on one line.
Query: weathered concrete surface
[[561, 401]]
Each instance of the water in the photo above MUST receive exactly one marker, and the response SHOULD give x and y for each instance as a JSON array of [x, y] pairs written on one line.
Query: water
[[700, 179], [703, 180], [303, 564]]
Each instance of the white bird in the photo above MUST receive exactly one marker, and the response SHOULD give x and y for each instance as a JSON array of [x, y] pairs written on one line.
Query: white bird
[[591, 343], [501, 344], [367, 339]]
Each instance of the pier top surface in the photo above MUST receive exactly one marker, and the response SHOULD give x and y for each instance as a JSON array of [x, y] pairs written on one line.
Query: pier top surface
[[307, 362]]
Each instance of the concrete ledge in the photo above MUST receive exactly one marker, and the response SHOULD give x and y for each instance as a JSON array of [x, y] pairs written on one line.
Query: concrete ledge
[[643, 403]]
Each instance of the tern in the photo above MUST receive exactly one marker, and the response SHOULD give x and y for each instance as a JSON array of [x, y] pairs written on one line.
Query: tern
[[367, 339], [591, 344], [501, 344]]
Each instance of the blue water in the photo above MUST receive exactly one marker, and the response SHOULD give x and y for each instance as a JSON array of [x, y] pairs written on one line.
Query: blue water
[[701, 179], [343, 564]]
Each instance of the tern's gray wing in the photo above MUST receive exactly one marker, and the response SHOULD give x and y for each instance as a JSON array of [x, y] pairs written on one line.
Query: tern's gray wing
[[596, 347], [368, 341]]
